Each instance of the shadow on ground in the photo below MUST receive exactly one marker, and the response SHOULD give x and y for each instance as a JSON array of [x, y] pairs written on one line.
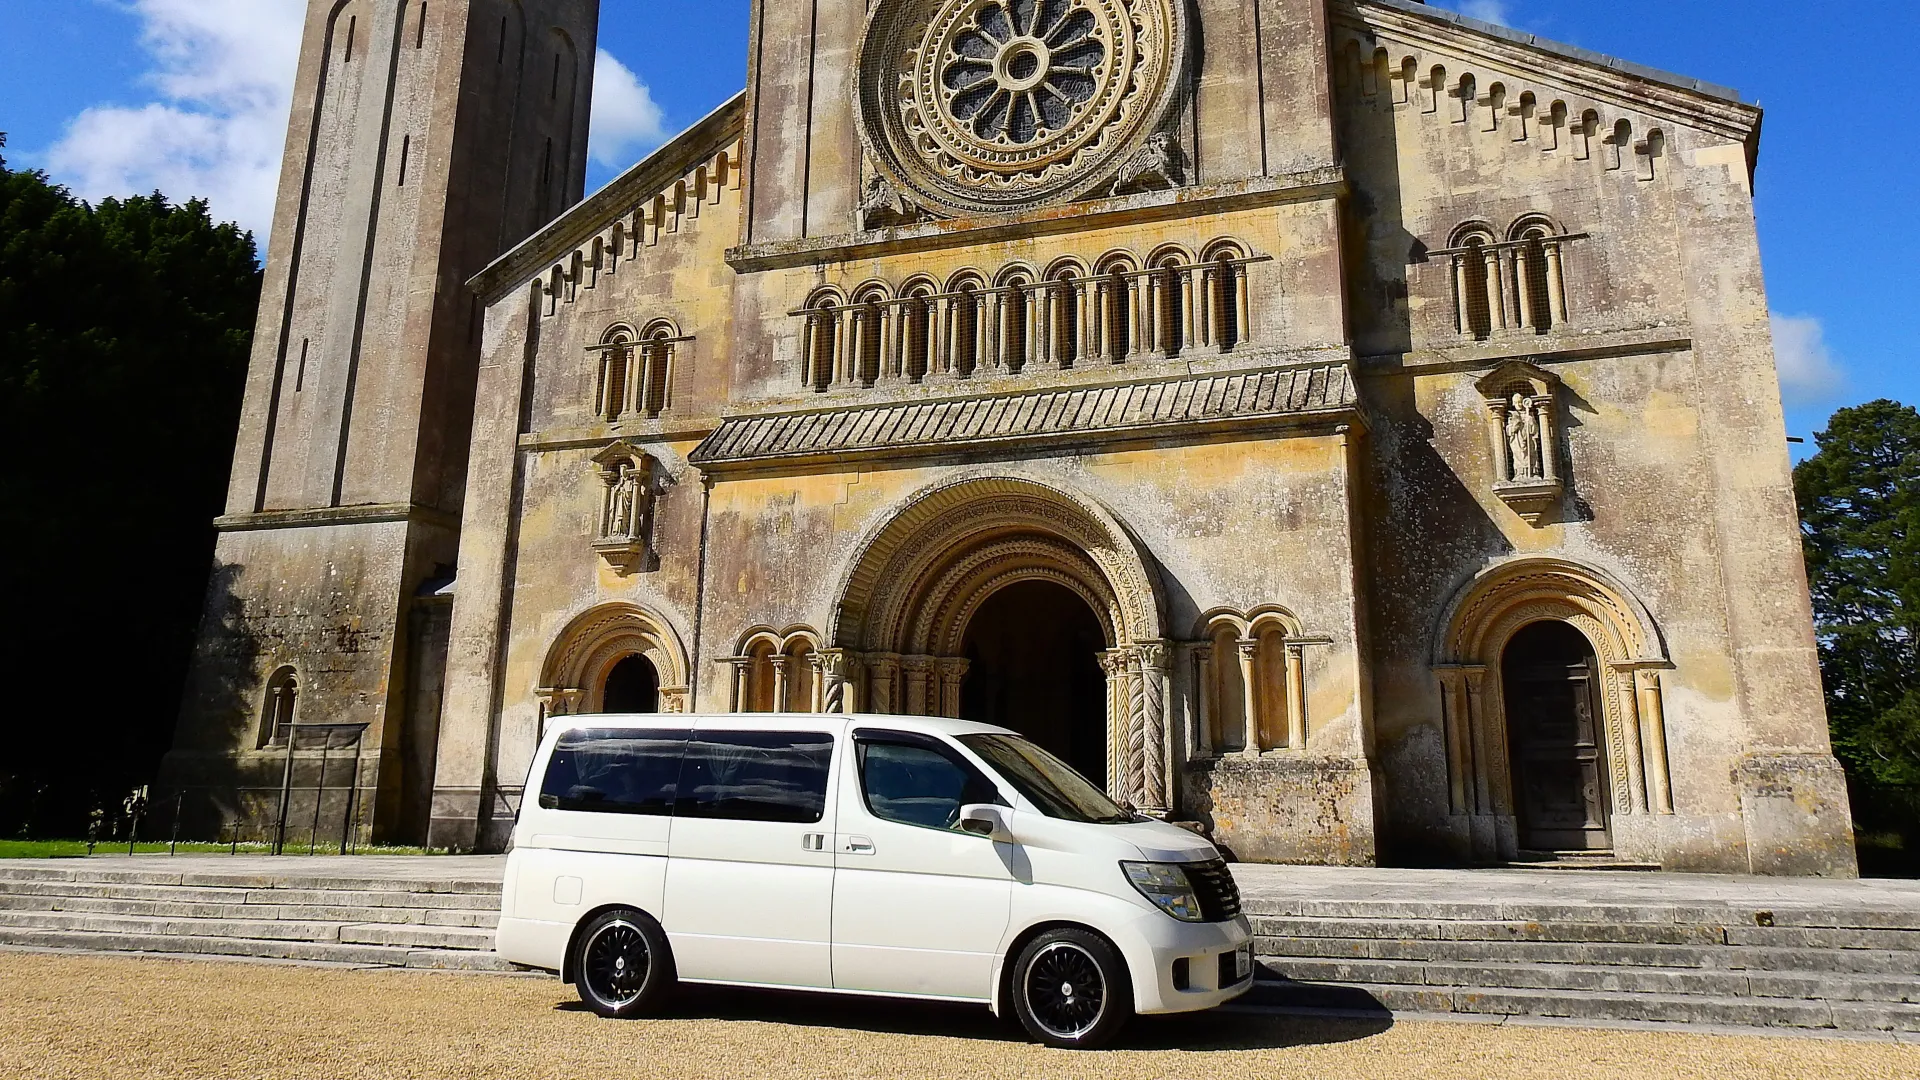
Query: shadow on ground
[[1207, 1031]]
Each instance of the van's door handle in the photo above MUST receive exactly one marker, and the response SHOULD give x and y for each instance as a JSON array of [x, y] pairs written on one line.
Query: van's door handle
[[813, 841], [858, 845]]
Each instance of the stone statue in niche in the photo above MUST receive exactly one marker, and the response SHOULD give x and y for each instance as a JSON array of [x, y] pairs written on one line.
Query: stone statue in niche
[[629, 488], [1153, 167], [882, 207], [1523, 438], [1523, 402]]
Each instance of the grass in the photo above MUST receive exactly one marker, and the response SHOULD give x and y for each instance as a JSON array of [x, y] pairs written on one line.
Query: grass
[[77, 849]]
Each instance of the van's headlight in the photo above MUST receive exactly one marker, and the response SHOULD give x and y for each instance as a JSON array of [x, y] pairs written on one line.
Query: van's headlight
[[1166, 885]]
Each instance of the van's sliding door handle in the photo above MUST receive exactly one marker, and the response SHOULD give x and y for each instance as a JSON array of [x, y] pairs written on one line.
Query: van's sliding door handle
[[813, 841], [857, 845]]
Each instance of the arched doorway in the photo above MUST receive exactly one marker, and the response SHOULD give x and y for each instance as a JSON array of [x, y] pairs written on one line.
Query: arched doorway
[[1554, 739], [946, 580], [1577, 639], [633, 686], [1033, 650]]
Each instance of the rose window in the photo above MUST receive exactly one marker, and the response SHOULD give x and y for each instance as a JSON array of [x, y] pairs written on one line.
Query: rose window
[[980, 105], [1023, 70]]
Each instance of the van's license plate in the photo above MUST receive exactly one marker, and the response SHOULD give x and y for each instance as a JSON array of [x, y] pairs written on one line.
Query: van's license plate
[[1242, 962]]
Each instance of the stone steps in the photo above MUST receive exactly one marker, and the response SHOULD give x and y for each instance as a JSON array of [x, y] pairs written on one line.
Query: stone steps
[[1824, 967], [275, 909]]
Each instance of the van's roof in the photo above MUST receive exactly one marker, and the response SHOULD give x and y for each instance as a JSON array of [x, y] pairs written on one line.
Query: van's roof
[[776, 722]]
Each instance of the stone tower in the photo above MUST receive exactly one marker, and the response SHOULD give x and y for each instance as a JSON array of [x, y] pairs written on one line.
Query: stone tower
[[425, 139]]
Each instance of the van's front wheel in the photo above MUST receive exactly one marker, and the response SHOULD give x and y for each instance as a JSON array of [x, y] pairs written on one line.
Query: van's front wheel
[[621, 964], [1070, 990]]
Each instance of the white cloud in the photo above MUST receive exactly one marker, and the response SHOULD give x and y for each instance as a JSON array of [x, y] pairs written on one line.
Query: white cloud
[[1808, 373], [223, 70], [626, 121]]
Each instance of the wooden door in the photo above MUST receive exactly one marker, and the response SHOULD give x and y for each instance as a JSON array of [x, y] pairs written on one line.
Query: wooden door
[[1555, 737]]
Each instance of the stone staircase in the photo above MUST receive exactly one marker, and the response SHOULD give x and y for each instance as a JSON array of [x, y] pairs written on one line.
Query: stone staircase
[[281, 911], [1693, 959]]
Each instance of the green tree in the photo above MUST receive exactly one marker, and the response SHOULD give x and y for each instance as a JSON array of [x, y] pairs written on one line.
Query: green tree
[[1860, 519], [124, 334]]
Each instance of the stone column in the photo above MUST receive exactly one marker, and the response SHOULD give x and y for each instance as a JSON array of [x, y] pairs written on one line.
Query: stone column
[[953, 675], [1189, 328], [1030, 348], [890, 335], [939, 315], [1463, 315], [1119, 702], [780, 680], [1086, 334], [1150, 741], [1620, 684], [1002, 331], [1136, 321], [1242, 306], [981, 343], [1296, 696], [1249, 649], [919, 673], [1556, 285], [1048, 343], [1458, 734], [809, 349], [843, 347], [1502, 451], [883, 682], [1496, 295], [1483, 744], [1203, 725], [742, 672], [1653, 731], [1549, 440]]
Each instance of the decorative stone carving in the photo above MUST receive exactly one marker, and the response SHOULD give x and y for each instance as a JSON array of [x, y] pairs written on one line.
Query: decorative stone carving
[[976, 106], [882, 207], [1156, 166], [1522, 415], [628, 476]]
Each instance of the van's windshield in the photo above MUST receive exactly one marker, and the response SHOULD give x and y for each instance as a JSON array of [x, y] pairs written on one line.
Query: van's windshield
[[1046, 781]]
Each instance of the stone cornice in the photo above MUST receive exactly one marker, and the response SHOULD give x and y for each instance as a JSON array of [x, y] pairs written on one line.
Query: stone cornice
[[592, 214], [1322, 183], [1542, 348], [1677, 98], [328, 516], [1116, 412]]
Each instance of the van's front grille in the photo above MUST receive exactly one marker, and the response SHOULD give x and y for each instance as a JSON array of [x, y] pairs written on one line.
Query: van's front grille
[[1213, 883]]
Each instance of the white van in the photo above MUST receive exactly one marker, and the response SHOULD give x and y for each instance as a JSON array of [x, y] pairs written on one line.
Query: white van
[[882, 855]]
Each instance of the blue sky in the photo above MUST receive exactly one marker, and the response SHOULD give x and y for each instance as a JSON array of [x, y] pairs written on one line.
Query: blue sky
[[113, 96]]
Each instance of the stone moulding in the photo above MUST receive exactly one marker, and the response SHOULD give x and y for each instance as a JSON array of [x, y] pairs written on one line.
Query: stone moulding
[[367, 514], [1185, 203], [1101, 413]]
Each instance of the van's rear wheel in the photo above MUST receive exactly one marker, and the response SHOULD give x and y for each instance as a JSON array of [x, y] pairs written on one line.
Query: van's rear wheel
[[622, 966], [1070, 990]]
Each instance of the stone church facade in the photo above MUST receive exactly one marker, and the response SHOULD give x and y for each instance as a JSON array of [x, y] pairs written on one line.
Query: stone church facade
[[1341, 424]]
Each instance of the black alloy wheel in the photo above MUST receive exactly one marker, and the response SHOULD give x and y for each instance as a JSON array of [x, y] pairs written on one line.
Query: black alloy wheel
[[621, 964], [1070, 990]]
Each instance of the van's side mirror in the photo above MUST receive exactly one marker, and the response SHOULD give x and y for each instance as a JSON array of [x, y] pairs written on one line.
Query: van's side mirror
[[988, 820]]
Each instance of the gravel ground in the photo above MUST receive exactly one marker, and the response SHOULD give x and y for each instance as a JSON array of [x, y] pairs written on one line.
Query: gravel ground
[[94, 1016]]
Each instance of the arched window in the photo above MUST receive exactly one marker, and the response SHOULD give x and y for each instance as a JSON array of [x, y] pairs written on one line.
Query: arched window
[[1537, 273], [1476, 281], [821, 345], [1117, 290], [277, 710], [1228, 300], [654, 395], [918, 313], [1064, 316], [1173, 300], [614, 386], [967, 327]]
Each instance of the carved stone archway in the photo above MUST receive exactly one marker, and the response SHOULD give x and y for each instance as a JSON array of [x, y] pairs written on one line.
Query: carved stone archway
[[1472, 638], [574, 677], [896, 638]]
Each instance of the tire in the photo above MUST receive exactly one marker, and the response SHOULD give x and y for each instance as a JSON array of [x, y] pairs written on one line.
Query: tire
[[608, 953], [1071, 991]]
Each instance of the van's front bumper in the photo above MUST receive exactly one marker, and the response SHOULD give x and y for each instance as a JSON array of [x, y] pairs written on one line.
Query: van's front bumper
[[1184, 967]]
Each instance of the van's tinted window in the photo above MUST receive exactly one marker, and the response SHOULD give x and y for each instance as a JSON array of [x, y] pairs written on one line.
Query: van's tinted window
[[614, 771], [919, 785], [755, 776]]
